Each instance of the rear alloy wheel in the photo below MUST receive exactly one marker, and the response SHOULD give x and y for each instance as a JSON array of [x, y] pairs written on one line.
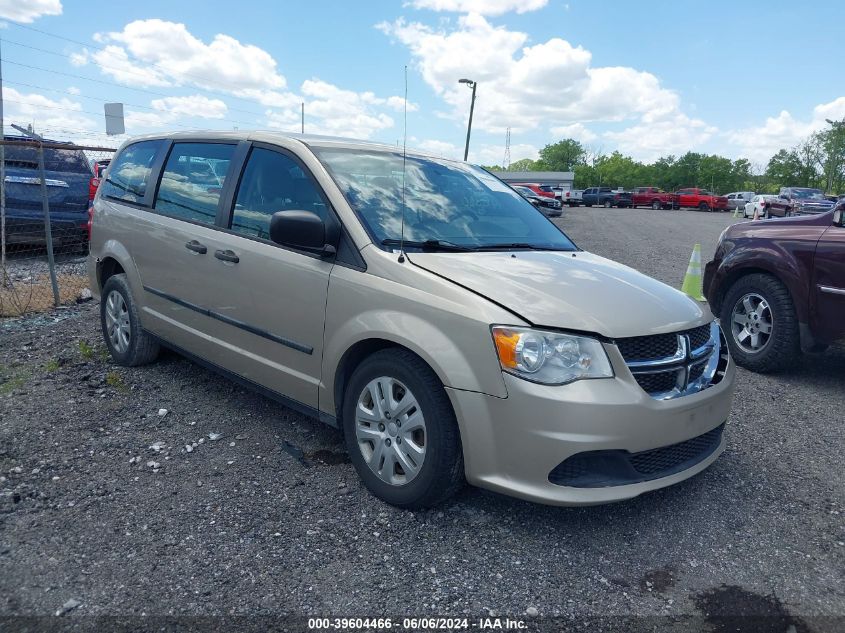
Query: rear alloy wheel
[[401, 431], [128, 343], [759, 318], [656, 205], [703, 206]]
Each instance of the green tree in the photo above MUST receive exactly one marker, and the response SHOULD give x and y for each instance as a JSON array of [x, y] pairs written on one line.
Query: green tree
[[561, 156], [524, 164]]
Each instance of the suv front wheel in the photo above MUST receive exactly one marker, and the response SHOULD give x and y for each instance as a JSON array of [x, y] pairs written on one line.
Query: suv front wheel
[[401, 431], [759, 319]]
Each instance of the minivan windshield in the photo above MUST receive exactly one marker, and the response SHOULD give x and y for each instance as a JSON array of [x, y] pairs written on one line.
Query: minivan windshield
[[447, 204]]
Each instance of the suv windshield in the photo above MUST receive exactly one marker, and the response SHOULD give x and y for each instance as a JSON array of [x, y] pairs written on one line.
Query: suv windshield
[[444, 201]]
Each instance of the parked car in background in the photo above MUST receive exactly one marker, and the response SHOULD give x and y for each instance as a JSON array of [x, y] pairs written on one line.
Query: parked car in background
[[701, 199], [68, 180], [550, 207], [573, 197], [738, 199], [98, 167], [804, 200], [540, 190], [434, 366], [623, 199], [653, 197], [598, 196], [765, 206], [779, 287]]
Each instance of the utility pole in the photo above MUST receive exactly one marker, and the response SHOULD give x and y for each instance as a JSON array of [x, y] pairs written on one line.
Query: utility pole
[[471, 84], [506, 163]]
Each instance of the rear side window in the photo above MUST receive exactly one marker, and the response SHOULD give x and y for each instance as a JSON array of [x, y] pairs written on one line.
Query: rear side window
[[192, 181], [129, 175], [272, 182]]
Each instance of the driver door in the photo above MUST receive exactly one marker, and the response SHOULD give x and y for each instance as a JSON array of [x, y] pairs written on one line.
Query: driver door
[[829, 284]]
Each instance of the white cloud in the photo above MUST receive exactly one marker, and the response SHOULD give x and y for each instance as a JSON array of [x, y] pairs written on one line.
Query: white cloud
[[160, 53], [483, 7], [655, 137], [784, 130], [28, 10], [523, 87], [576, 131], [484, 154], [338, 112], [194, 105], [24, 108], [74, 90]]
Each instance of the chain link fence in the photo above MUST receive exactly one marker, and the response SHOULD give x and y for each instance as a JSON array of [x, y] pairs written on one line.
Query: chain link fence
[[47, 190]]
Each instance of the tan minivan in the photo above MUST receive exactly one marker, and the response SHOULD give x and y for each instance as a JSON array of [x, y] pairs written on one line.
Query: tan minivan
[[421, 305]]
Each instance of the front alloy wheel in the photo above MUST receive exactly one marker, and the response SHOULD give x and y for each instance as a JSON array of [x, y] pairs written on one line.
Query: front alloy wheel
[[751, 323], [400, 430], [390, 428], [760, 323]]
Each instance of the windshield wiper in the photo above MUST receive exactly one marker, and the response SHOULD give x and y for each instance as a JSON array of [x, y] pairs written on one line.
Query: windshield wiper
[[506, 246], [426, 245]]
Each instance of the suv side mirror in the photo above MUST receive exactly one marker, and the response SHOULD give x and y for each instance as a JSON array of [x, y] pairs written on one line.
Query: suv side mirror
[[839, 216], [306, 231]]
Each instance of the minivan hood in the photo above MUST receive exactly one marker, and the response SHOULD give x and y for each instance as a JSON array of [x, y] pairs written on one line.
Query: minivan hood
[[570, 290]]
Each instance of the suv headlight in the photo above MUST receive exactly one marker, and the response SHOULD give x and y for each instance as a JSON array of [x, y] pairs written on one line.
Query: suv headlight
[[550, 358]]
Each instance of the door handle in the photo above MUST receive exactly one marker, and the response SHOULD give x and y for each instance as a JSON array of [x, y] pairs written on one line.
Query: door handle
[[227, 256], [195, 246]]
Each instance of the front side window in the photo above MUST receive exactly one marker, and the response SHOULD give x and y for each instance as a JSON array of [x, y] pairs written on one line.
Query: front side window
[[129, 174], [193, 180], [442, 201], [272, 182]]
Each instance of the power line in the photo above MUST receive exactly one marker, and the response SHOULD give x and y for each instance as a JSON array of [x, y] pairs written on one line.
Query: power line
[[101, 100], [230, 90]]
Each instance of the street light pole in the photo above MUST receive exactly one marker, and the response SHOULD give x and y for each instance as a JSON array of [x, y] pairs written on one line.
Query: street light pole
[[473, 85]]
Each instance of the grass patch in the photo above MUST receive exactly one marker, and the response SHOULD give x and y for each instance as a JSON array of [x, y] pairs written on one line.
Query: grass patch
[[86, 350], [52, 365], [15, 381], [114, 380]]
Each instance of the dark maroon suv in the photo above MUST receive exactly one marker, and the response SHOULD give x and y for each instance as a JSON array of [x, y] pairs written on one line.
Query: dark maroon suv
[[778, 287]]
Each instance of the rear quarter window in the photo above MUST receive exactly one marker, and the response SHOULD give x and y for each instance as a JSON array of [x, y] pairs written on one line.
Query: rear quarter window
[[129, 174]]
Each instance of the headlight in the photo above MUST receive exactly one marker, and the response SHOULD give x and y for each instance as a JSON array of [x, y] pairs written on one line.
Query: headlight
[[550, 358]]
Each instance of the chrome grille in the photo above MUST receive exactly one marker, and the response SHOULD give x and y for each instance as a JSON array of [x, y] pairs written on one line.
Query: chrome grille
[[676, 364]]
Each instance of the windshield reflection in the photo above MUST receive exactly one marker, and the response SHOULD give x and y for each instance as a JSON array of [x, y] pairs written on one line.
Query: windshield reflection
[[444, 201]]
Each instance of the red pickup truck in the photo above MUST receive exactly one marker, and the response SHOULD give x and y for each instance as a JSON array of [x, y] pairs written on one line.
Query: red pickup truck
[[701, 199], [654, 197]]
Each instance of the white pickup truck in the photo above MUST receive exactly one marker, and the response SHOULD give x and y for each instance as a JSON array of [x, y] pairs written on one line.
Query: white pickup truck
[[573, 197]]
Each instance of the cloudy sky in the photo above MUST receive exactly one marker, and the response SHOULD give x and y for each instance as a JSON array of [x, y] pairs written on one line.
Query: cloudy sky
[[649, 78]]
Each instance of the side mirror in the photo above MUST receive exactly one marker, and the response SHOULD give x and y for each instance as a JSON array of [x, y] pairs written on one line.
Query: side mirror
[[306, 231], [839, 216]]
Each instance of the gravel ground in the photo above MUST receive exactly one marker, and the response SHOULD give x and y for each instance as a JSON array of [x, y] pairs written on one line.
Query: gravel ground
[[104, 510]]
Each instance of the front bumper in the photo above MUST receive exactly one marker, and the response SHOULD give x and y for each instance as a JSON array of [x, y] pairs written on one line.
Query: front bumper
[[512, 445]]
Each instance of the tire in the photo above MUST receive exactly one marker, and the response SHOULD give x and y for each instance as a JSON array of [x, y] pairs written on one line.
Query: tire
[[441, 474], [128, 344], [703, 206], [766, 214], [656, 205], [607, 204], [781, 348]]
